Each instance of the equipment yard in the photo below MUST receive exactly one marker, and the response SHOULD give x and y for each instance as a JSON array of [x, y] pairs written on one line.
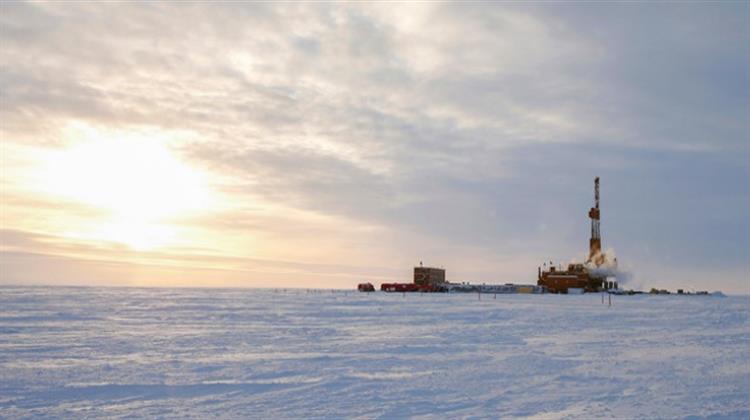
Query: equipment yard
[[229, 353], [598, 274]]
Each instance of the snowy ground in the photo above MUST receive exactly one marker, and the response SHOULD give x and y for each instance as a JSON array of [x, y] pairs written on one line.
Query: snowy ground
[[101, 352]]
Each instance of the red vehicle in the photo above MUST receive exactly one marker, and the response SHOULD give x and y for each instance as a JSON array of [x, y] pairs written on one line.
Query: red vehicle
[[365, 287]]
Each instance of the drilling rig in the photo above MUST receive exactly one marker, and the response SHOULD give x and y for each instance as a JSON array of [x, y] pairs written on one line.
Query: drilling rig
[[587, 277]]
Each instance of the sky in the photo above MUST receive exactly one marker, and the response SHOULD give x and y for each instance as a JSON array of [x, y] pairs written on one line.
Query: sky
[[326, 144]]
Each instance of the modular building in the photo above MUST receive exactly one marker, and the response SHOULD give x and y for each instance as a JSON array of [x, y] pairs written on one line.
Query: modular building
[[429, 276]]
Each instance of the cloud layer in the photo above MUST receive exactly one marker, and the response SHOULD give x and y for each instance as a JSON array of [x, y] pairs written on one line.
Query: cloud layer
[[464, 135]]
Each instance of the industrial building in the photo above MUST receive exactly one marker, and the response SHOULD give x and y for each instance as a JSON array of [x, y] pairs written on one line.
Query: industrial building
[[429, 275]]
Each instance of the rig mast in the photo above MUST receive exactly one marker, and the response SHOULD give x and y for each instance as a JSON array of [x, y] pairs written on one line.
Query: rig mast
[[595, 243]]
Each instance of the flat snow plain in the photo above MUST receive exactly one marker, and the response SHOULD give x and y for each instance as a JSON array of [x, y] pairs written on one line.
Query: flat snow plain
[[127, 352]]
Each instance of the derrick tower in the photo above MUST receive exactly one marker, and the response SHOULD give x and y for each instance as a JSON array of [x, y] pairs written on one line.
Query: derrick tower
[[595, 243]]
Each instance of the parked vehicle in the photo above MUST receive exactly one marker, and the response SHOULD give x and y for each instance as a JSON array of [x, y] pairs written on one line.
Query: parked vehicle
[[365, 287]]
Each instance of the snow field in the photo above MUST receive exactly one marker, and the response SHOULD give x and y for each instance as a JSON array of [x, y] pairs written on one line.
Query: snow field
[[197, 353]]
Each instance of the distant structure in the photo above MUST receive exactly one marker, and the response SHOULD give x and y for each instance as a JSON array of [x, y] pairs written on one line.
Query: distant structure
[[426, 279], [429, 276], [365, 287], [589, 277], [596, 274], [432, 280]]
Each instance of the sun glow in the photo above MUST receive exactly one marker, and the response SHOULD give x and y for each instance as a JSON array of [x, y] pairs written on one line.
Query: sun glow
[[134, 177]]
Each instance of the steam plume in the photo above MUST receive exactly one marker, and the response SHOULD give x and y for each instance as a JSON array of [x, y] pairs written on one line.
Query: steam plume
[[608, 267]]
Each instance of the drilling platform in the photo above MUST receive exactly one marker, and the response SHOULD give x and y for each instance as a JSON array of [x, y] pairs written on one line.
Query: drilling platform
[[591, 276]]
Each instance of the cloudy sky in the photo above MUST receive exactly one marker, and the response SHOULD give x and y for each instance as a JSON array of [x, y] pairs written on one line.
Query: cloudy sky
[[324, 144]]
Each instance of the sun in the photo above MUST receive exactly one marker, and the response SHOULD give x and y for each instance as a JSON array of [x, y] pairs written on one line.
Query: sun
[[134, 177]]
